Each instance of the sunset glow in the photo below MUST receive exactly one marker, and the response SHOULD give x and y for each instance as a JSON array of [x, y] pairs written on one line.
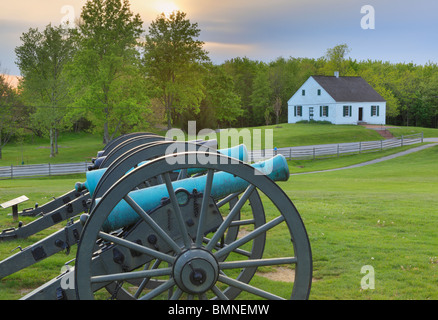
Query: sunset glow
[[166, 7]]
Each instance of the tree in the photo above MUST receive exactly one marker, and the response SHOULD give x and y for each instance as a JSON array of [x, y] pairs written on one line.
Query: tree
[[336, 59], [244, 72], [42, 59], [220, 99], [427, 114], [12, 113], [277, 109], [172, 60], [405, 87], [285, 77], [267, 115], [262, 93], [105, 69], [261, 89], [381, 77]]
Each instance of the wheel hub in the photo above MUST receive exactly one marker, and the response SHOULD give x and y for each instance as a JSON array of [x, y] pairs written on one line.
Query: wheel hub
[[195, 271]]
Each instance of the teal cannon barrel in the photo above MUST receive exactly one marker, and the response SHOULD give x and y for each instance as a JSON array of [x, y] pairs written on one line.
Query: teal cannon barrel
[[223, 185], [92, 177]]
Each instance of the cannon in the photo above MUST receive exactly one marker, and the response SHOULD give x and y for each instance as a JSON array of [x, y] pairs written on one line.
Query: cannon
[[64, 239], [72, 203], [76, 201], [192, 224], [57, 202]]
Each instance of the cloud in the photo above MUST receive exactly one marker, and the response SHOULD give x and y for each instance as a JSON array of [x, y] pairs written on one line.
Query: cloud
[[266, 30], [38, 13], [220, 52], [273, 29]]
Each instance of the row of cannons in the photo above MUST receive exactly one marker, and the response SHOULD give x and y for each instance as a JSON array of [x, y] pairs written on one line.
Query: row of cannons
[[195, 223]]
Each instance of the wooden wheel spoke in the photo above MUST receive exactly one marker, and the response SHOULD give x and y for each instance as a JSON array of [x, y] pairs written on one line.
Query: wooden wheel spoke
[[257, 263], [161, 233], [177, 211], [204, 205], [220, 232], [253, 234], [131, 275], [248, 288]]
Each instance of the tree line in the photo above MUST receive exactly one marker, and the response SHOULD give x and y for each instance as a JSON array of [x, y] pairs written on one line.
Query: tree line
[[108, 75]]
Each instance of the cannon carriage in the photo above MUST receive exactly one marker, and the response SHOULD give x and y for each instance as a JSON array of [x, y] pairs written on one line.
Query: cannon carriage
[[192, 224]]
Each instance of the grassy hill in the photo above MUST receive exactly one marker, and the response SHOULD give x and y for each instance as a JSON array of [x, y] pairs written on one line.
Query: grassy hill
[[73, 147], [291, 135]]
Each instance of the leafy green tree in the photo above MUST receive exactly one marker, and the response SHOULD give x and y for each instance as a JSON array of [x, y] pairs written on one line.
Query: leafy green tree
[[243, 72], [279, 76], [107, 80], [267, 115], [12, 112], [262, 93], [275, 83], [173, 60], [285, 77], [42, 58], [427, 114], [220, 97], [277, 108], [405, 87], [381, 77], [336, 59]]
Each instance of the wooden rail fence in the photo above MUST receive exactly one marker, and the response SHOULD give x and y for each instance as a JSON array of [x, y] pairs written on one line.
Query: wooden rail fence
[[12, 172], [337, 150], [293, 153]]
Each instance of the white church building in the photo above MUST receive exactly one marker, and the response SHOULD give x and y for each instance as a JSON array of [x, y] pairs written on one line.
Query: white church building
[[340, 100]]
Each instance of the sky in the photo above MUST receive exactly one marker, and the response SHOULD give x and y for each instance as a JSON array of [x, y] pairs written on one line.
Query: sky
[[398, 31]]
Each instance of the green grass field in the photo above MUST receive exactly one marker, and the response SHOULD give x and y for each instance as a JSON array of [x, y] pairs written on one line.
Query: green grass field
[[78, 147], [291, 135], [82, 147], [383, 215]]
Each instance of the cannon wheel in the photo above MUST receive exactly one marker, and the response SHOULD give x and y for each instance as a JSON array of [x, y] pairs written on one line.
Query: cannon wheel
[[152, 150], [134, 156], [126, 146], [209, 279], [116, 141]]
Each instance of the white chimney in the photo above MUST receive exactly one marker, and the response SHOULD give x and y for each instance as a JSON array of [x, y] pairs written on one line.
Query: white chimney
[[337, 74]]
